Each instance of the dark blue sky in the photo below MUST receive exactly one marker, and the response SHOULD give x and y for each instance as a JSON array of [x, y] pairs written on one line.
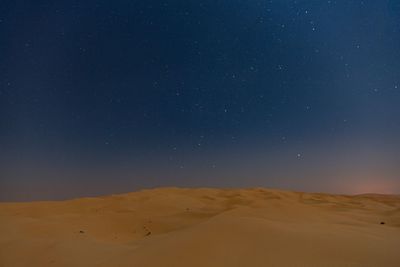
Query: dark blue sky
[[108, 96]]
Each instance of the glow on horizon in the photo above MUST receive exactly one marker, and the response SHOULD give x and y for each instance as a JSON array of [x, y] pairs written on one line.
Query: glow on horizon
[[376, 186]]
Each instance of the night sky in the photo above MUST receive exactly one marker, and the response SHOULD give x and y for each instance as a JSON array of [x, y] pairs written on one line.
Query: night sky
[[101, 97]]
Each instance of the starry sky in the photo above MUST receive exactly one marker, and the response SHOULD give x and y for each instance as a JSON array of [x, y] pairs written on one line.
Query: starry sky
[[100, 97]]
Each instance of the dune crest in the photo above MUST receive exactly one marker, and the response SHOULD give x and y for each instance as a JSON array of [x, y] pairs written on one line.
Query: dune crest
[[203, 227]]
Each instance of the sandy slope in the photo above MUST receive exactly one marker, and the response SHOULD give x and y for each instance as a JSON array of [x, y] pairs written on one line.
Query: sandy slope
[[203, 227]]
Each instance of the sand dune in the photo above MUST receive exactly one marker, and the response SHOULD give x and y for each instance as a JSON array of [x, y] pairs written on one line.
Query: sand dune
[[204, 227]]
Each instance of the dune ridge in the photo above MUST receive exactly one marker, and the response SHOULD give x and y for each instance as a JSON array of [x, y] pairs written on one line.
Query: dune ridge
[[204, 227]]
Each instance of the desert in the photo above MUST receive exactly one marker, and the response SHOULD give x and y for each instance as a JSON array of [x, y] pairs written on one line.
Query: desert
[[203, 227]]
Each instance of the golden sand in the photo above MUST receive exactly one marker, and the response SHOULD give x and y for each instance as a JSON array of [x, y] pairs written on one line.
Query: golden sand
[[171, 227]]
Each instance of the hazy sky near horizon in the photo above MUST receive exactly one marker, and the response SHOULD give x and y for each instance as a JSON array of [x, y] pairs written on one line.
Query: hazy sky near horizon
[[100, 97]]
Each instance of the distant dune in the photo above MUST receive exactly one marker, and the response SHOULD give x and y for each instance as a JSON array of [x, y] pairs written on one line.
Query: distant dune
[[170, 227]]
